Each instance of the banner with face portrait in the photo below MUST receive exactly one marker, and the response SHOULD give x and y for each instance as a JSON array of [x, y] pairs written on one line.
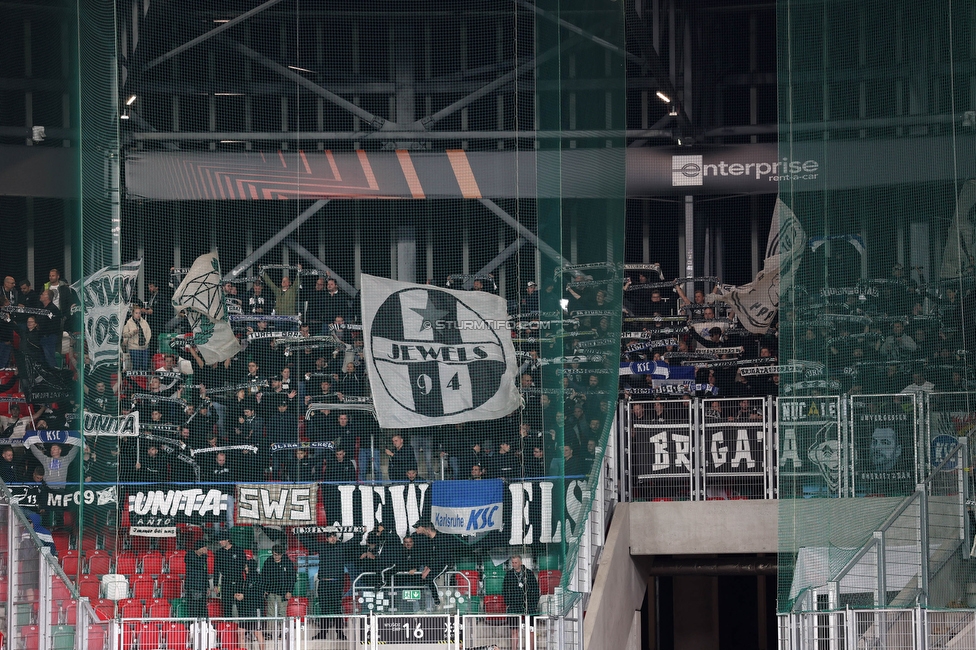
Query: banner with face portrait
[[885, 444]]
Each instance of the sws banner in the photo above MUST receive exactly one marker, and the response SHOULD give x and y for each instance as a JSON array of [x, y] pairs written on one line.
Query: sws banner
[[467, 507], [276, 504]]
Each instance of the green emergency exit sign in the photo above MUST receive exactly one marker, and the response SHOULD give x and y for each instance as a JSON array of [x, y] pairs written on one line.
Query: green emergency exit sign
[[411, 594]]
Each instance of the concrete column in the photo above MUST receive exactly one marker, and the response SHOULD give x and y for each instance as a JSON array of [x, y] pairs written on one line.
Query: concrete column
[[696, 613]]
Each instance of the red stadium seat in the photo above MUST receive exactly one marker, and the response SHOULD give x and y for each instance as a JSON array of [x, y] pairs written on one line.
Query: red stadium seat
[[125, 563], [148, 636], [105, 611], [143, 587], [90, 587], [158, 608], [210, 563], [133, 609], [70, 608], [467, 587], [62, 541], [71, 562], [89, 540], [176, 635], [99, 563], [176, 563], [96, 637], [214, 608], [152, 563], [548, 581], [31, 636], [297, 608], [171, 587], [227, 634], [4, 585], [59, 590], [495, 605], [129, 636]]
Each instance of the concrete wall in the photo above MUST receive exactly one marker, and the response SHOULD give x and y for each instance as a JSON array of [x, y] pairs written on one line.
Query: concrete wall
[[618, 590], [738, 527], [703, 527]]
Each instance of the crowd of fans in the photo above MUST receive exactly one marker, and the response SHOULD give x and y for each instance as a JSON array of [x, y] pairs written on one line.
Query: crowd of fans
[[245, 419], [878, 336]]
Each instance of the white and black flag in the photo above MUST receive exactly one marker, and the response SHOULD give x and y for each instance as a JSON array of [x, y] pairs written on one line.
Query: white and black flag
[[437, 356]]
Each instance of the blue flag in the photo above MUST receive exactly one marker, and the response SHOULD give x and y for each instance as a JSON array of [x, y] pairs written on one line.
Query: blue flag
[[467, 507]]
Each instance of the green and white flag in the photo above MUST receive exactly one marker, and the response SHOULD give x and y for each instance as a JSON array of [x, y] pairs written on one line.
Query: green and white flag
[[202, 296], [107, 296]]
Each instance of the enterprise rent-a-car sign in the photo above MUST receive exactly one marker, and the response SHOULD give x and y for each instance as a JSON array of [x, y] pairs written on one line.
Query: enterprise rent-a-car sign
[[753, 168]]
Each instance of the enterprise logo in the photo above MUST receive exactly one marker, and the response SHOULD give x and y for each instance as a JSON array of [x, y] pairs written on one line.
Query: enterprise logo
[[691, 170], [686, 170]]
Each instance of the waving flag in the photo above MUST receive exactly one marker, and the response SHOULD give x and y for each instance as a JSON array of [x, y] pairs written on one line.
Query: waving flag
[[202, 296], [756, 303], [437, 356], [107, 295]]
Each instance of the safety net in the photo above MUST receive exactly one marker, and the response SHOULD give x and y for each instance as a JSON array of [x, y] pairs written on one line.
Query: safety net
[[331, 284], [875, 257]]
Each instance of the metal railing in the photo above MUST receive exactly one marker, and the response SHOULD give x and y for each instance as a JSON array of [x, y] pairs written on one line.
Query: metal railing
[[361, 631], [701, 449], [878, 629], [904, 554], [788, 447]]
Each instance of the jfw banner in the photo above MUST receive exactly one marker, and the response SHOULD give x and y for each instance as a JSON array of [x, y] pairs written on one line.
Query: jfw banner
[[107, 295], [467, 507], [276, 504], [533, 511], [437, 356]]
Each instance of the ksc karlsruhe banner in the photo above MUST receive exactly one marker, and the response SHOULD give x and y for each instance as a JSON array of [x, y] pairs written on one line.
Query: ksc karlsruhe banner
[[468, 507], [437, 356], [276, 504]]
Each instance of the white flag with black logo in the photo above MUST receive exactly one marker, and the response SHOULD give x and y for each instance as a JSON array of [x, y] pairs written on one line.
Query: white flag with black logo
[[437, 356], [757, 303], [202, 296], [107, 294]]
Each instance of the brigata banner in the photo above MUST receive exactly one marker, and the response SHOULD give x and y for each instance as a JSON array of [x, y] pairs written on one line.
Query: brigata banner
[[276, 504], [467, 507]]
